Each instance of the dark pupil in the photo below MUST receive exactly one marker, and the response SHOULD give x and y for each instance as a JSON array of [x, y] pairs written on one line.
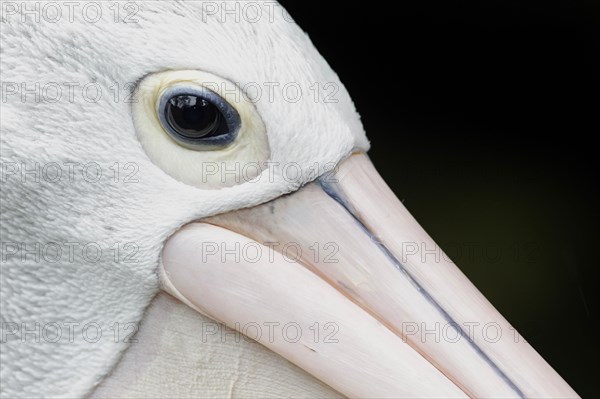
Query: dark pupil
[[194, 117]]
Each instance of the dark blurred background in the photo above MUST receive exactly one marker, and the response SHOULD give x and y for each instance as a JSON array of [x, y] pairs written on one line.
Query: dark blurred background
[[483, 118]]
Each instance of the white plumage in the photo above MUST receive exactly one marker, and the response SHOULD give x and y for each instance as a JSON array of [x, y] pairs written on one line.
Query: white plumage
[[94, 184], [91, 135]]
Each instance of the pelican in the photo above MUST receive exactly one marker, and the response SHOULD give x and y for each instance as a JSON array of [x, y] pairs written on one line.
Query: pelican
[[188, 210]]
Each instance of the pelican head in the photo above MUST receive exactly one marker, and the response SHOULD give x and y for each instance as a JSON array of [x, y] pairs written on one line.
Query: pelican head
[[213, 154]]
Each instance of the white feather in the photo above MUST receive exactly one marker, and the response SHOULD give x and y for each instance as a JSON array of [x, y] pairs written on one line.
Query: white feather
[[168, 35]]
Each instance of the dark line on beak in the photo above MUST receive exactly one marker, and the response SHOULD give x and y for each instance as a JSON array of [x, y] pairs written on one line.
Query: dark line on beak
[[337, 194]]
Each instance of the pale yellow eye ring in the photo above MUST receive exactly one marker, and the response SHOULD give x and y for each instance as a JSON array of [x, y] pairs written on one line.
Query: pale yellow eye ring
[[185, 164]]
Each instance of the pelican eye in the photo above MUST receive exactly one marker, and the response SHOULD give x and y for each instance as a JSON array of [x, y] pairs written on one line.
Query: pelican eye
[[198, 118], [188, 119]]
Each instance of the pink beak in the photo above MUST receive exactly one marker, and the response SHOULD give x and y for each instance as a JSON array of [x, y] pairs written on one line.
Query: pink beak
[[381, 311]]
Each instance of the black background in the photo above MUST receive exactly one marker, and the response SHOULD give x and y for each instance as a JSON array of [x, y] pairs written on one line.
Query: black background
[[482, 118]]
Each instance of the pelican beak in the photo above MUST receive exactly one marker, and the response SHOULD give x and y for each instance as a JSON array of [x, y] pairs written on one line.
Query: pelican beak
[[341, 280]]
